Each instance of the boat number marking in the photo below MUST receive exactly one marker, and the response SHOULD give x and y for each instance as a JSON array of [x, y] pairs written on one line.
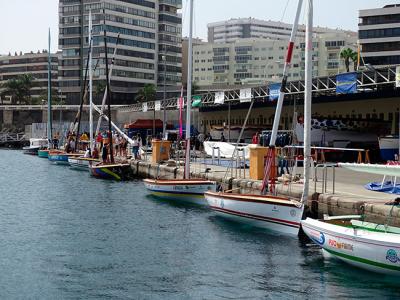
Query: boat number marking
[[317, 237]]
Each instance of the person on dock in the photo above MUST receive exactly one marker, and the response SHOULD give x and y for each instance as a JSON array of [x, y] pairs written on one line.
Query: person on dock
[[256, 138], [135, 147], [223, 139], [104, 153]]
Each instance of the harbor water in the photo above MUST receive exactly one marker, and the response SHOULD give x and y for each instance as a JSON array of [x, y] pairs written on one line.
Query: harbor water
[[65, 235]]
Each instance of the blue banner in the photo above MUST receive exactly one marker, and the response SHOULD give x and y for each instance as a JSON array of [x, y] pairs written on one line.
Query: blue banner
[[346, 83], [274, 90]]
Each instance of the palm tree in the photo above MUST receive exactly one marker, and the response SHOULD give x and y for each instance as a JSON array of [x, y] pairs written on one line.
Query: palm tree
[[19, 88], [354, 58], [147, 93], [99, 89], [347, 55]]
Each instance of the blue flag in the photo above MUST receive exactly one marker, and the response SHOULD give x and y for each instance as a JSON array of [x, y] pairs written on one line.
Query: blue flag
[[274, 90], [346, 83]]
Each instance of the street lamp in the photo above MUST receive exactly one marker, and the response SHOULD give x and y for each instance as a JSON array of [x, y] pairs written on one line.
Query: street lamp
[[164, 58]]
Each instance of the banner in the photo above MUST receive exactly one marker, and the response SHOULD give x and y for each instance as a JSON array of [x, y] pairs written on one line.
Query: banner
[[346, 83], [274, 91], [398, 76], [157, 105], [144, 107], [245, 95], [219, 98]]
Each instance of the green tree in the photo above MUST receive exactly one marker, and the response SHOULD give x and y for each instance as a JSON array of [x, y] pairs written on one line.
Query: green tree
[[354, 58], [195, 88], [19, 88], [347, 55], [147, 93], [99, 89], [43, 96]]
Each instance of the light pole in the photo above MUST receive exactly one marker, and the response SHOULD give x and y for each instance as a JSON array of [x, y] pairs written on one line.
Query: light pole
[[164, 58]]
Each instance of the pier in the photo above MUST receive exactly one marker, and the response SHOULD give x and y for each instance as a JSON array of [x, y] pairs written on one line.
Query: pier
[[342, 195]]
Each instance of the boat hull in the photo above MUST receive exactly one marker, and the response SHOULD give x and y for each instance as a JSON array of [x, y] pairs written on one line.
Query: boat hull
[[268, 212], [117, 172], [61, 158], [185, 191], [369, 250], [389, 146], [30, 150], [81, 163], [44, 153]]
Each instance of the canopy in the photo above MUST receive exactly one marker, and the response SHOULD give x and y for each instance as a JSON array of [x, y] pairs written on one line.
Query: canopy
[[146, 124]]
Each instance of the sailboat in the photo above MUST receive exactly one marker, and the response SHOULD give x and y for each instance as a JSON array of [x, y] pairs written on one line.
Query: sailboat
[[111, 170], [185, 190], [279, 214], [43, 152], [82, 163]]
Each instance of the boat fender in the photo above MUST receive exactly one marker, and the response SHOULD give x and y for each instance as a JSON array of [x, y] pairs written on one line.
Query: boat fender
[[137, 168], [175, 172]]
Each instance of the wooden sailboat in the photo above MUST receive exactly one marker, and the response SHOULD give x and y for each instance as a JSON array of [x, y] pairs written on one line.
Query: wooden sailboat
[[82, 163], [274, 213], [184, 190], [111, 170]]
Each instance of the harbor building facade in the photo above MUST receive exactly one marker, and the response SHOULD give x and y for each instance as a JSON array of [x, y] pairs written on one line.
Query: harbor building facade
[[229, 31], [257, 61], [379, 35], [149, 32], [35, 64]]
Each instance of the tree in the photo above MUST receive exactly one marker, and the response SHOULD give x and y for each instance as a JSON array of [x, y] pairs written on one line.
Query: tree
[[195, 88], [354, 58], [99, 89], [19, 88], [147, 93], [347, 55]]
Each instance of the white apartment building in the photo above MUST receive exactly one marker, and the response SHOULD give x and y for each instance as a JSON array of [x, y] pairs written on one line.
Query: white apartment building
[[35, 64], [230, 30], [257, 61], [379, 35]]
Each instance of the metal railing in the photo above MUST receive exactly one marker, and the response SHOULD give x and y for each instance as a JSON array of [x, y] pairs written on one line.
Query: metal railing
[[324, 180], [6, 137]]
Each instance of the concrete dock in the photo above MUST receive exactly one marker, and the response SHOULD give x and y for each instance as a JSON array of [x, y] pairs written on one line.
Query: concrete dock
[[349, 197]]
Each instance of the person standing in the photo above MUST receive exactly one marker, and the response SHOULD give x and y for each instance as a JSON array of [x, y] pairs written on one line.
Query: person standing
[[256, 138], [135, 147]]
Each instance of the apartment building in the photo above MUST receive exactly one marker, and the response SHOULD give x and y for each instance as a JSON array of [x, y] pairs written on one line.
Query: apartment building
[[379, 35], [150, 31], [36, 64], [230, 31], [256, 61]]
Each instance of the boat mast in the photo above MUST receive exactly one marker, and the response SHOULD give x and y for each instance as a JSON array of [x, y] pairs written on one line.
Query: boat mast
[[308, 100], [108, 97], [49, 110], [189, 93], [286, 67], [90, 86]]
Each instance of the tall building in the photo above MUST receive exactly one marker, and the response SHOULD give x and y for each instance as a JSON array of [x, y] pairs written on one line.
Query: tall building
[[231, 30], [379, 35], [149, 30], [256, 61], [36, 64]]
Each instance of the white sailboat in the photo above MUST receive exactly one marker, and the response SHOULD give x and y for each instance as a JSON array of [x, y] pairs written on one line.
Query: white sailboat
[[185, 190], [274, 213], [373, 247], [80, 162]]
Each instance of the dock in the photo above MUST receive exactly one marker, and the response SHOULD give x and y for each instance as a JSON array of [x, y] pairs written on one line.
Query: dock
[[339, 194]]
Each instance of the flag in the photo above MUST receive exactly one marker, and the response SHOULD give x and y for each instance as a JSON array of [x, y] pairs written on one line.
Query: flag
[[219, 98], [274, 91], [157, 105], [245, 95], [196, 101], [346, 83], [180, 104]]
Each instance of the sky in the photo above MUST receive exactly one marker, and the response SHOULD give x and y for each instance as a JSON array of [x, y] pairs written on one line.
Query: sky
[[24, 23]]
